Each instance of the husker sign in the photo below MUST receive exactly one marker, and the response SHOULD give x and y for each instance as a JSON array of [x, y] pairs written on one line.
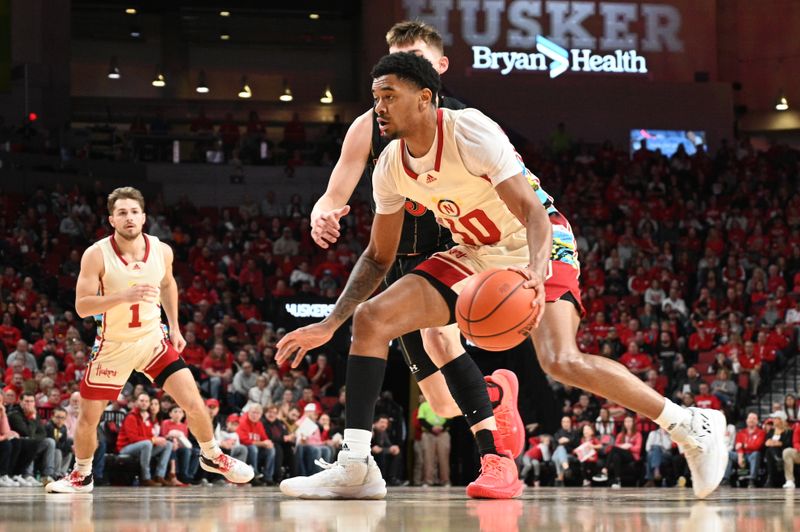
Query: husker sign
[[568, 45]]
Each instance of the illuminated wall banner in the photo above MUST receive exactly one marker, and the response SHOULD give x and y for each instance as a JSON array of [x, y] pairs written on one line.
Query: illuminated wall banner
[[555, 36], [561, 60]]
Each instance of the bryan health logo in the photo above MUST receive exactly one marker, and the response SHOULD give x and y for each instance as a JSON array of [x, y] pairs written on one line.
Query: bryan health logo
[[560, 60]]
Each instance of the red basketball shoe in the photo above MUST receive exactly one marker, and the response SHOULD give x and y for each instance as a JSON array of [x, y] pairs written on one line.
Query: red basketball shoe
[[503, 388], [498, 479]]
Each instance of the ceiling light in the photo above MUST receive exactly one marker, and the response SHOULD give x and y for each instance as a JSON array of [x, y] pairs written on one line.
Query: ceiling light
[[287, 93], [327, 96], [245, 91], [224, 36], [202, 86], [113, 69], [313, 16], [159, 80], [130, 10], [136, 33], [224, 13], [782, 104]]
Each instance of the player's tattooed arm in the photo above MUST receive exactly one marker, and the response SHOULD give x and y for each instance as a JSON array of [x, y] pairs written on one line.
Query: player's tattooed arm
[[364, 280], [371, 267]]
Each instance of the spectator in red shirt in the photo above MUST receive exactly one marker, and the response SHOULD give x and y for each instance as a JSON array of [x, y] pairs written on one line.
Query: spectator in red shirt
[[260, 449], [9, 334], [747, 449], [791, 456], [627, 449], [201, 330], [588, 452], [77, 368], [637, 362], [308, 398], [320, 374], [705, 399], [599, 328], [176, 431], [248, 312], [136, 439], [197, 292], [193, 353], [750, 362], [218, 365], [17, 367], [700, 341]]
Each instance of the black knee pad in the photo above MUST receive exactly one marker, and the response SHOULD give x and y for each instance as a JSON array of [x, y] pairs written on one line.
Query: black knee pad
[[468, 388], [169, 370]]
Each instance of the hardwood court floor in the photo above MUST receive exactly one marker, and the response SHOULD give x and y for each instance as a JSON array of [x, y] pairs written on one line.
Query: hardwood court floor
[[405, 509]]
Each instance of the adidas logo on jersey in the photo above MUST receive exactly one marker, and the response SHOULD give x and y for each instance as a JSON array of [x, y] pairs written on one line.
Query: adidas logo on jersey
[[430, 179]]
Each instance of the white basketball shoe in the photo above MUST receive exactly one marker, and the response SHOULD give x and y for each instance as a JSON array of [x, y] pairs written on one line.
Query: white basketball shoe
[[350, 477], [72, 483], [702, 437]]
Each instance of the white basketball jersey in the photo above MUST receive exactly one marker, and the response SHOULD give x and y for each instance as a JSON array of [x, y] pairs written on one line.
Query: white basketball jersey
[[467, 203], [128, 322]]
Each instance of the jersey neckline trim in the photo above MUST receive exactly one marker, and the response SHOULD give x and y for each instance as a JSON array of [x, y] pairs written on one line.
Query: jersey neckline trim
[[115, 247], [439, 148]]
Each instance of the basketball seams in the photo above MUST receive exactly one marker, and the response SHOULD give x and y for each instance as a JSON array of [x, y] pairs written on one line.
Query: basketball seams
[[499, 304]]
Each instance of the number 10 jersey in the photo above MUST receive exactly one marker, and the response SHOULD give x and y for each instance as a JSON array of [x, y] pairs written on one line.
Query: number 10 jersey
[[461, 171]]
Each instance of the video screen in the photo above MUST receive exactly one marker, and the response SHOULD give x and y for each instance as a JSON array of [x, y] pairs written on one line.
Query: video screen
[[667, 140]]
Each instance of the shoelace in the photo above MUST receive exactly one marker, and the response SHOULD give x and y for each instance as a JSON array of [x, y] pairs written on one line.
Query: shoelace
[[491, 466], [75, 478], [224, 462]]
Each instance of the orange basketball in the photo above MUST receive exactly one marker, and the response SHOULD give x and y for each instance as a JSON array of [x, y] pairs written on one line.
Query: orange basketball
[[494, 312]]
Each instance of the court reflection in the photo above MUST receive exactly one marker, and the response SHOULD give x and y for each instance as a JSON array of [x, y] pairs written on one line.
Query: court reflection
[[244, 510]]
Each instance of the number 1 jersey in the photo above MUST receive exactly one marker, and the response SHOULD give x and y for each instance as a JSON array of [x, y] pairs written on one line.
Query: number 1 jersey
[[470, 155], [128, 322]]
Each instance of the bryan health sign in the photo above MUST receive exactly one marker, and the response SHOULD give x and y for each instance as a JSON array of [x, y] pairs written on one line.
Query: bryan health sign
[[555, 36]]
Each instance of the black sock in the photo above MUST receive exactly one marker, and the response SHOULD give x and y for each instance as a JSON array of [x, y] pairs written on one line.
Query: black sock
[[363, 385], [485, 440], [495, 394], [466, 385]]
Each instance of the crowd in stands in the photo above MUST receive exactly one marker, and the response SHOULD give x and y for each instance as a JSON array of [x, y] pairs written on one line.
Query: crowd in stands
[[224, 140], [690, 278]]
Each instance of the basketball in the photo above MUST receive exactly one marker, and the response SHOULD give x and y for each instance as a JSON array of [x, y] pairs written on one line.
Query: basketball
[[494, 312]]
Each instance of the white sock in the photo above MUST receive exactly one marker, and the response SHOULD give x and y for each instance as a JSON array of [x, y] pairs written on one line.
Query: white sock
[[358, 441], [83, 465], [210, 449], [671, 416]]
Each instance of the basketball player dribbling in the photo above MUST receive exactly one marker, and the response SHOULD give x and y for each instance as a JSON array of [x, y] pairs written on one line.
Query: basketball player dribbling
[[475, 180], [425, 352], [124, 281]]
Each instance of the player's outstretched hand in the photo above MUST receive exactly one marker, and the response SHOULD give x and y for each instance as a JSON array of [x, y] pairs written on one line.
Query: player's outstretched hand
[[139, 293], [177, 340], [297, 343], [535, 281], [325, 226]]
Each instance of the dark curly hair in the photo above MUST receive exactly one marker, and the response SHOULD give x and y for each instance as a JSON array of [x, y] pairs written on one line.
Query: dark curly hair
[[409, 67]]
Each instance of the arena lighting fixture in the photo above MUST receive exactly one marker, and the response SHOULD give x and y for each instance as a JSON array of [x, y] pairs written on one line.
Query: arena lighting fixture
[[136, 33], [313, 16], [202, 87], [159, 80], [327, 96], [113, 69], [782, 104], [224, 13], [224, 36], [287, 93], [245, 91], [130, 10]]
